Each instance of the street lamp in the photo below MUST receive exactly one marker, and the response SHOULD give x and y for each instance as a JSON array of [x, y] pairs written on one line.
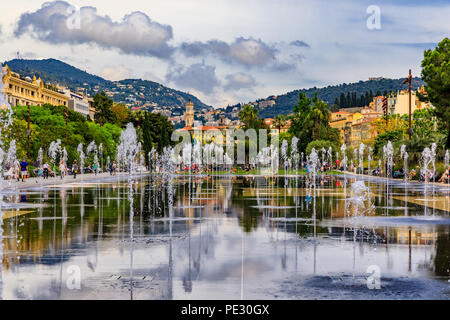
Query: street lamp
[[408, 80], [67, 120], [384, 104], [28, 133]]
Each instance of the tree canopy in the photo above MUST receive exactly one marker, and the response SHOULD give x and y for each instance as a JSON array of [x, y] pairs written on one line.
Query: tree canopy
[[103, 109], [436, 74], [310, 121]]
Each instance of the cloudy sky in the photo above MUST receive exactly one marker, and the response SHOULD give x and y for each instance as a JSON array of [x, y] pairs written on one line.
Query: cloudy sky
[[228, 51]]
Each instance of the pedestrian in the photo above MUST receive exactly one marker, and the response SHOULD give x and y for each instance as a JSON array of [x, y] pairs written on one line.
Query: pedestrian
[[62, 169], [46, 170], [16, 170], [24, 169], [111, 168], [445, 176], [75, 169], [95, 168], [9, 171], [115, 168]]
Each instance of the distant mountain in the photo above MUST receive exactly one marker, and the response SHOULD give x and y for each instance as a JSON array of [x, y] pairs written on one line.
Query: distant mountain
[[130, 91], [285, 102], [54, 71]]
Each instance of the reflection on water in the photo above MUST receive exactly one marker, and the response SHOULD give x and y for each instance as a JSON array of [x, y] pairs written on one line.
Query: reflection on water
[[224, 238]]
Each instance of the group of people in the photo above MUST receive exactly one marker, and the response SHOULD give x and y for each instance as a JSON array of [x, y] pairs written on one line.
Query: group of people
[[17, 170]]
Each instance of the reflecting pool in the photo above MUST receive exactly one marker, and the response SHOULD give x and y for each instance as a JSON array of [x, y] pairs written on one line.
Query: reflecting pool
[[226, 237]]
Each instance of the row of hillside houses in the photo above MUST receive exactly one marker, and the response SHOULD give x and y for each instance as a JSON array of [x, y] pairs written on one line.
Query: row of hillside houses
[[20, 90]]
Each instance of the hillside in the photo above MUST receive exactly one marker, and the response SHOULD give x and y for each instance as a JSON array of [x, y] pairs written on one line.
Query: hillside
[[131, 91], [284, 103]]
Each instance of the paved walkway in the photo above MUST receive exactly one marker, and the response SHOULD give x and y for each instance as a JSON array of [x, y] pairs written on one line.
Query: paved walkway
[[395, 179], [37, 182]]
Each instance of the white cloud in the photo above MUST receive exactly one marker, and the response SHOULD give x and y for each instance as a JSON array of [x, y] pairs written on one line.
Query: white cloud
[[136, 34], [245, 51], [116, 73], [238, 81]]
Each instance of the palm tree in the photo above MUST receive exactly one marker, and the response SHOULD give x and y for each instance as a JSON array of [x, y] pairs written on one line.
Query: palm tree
[[280, 121], [318, 117], [248, 116]]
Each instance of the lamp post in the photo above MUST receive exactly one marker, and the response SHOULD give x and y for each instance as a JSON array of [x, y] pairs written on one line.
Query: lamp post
[[384, 103], [408, 80], [28, 133], [67, 122]]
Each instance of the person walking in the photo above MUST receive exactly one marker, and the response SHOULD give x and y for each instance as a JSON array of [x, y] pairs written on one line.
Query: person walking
[[46, 170], [96, 168], [75, 169], [16, 170], [24, 170], [62, 169]]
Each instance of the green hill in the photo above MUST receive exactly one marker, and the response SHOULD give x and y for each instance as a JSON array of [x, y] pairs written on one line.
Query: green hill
[[130, 91], [285, 102]]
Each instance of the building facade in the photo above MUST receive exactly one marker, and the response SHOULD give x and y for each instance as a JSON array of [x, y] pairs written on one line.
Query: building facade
[[79, 103], [25, 91], [356, 127], [400, 104]]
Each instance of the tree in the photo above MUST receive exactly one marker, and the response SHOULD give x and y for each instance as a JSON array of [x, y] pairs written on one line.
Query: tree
[[155, 129], [436, 74], [122, 113], [249, 118], [280, 122], [318, 116], [103, 111], [48, 124], [310, 121], [303, 104], [319, 144]]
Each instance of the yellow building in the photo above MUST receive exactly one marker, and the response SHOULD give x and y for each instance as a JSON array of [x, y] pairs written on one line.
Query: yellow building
[[207, 134], [342, 121], [25, 91], [189, 116], [400, 103], [362, 130], [354, 128]]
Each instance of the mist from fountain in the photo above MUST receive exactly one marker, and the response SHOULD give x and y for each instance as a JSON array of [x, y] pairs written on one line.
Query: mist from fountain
[[428, 170], [294, 154], [54, 150], [369, 159], [11, 159], [358, 205], [404, 155], [361, 158], [82, 156], [388, 157], [344, 156], [128, 149]]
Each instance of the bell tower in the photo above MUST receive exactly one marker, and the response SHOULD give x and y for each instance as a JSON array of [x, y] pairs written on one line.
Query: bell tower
[[189, 115]]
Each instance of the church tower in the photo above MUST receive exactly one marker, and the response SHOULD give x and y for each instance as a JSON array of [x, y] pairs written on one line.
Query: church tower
[[189, 116]]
